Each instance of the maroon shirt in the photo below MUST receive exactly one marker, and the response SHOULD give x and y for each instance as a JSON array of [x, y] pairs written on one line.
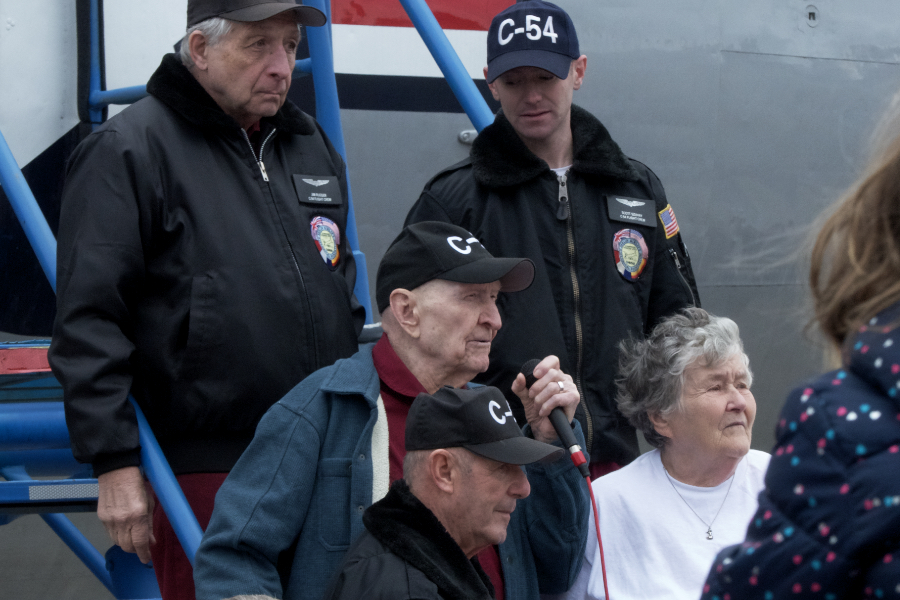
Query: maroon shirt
[[399, 387]]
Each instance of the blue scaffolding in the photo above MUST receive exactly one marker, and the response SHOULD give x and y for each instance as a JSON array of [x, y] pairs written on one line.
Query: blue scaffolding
[[34, 441]]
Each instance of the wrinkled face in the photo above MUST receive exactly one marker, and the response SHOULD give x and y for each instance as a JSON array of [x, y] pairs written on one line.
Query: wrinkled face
[[248, 72], [537, 103], [485, 501], [717, 412], [458, 321]]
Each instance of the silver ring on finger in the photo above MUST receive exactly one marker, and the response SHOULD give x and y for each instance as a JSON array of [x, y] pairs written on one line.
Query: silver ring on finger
[[562, 387]]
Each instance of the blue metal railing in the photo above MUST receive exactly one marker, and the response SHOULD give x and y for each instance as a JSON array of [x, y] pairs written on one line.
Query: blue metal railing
[[33, 426], [450, 64], [167, 489], [328, 114], [28, 212], [95, 109], [68, 533]]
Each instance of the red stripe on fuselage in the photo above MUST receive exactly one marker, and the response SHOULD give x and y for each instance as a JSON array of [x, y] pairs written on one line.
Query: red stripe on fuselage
[[451, 14]]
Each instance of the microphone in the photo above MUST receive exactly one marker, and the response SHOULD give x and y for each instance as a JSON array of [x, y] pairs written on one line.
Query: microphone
[[560, 423]]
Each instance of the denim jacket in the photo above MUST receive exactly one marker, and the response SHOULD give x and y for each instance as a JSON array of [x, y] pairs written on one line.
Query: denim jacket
[[294, 502]]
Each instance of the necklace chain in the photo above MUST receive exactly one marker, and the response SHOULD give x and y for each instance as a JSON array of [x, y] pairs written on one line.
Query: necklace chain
[[709, 531]]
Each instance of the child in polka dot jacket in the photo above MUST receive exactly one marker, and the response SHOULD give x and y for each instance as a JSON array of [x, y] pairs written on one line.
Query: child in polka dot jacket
[[828, 523]]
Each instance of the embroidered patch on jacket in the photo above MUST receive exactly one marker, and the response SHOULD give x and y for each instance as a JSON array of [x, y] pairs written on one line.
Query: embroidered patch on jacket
[[630, 252], [670, 223], [327, 236]]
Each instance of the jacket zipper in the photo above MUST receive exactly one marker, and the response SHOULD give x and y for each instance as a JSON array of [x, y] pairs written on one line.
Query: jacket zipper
[[684, 280], [259, 162], [265, 176], [564, 213]]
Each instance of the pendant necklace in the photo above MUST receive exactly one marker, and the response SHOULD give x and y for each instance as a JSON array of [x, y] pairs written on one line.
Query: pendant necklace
[[709, 531]]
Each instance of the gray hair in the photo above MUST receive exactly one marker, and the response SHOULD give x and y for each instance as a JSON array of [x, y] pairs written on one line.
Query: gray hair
[[415, 460], [651, 371], [412, 462], [213, 29]]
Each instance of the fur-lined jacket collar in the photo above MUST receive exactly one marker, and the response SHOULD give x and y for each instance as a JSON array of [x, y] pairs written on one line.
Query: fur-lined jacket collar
[[501, 159], [177, 88], [408, 529]]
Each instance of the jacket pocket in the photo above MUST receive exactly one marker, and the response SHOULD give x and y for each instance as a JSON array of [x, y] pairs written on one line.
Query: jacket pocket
[[333, 480], [204, 328]]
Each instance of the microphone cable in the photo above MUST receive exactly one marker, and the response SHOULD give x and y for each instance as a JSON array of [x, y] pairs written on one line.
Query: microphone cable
[[599, 539], [564, 431]]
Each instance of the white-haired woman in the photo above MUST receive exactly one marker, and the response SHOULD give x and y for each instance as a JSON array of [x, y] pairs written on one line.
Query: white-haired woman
[[664, 517]]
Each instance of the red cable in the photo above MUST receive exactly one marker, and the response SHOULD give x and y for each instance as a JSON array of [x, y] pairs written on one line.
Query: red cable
[[599, 539]]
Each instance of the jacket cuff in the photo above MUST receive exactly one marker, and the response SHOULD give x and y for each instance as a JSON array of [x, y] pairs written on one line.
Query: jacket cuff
[[110, 462]]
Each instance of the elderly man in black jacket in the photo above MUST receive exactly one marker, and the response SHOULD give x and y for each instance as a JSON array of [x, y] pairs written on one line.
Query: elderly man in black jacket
[[202, 265], [461, 480]]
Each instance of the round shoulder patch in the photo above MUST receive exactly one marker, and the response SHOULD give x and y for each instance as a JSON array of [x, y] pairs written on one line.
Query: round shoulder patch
[[630, 253], [327, 236]]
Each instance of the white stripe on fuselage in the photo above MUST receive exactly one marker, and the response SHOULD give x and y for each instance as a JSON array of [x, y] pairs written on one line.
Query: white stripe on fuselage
[[399, 51]]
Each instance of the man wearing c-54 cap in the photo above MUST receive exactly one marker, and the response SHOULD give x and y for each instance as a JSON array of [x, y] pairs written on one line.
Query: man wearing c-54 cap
[[461, 481], [546, 181]]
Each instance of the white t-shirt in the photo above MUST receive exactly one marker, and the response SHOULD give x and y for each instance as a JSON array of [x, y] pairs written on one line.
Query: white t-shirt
[[655, 547]]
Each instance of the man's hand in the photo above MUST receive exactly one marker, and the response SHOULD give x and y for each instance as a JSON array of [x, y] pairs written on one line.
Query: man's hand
[[125, 509], [553, 388]]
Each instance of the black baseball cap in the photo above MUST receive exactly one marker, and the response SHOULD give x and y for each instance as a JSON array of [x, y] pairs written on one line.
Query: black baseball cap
[[479, 420], [436, 250], [531, 34], [251, 10]]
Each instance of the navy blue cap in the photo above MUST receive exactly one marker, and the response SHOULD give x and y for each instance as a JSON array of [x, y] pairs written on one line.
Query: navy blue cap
[[531, 34]]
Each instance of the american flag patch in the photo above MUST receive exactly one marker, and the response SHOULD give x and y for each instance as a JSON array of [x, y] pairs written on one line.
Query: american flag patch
[[670, 223]]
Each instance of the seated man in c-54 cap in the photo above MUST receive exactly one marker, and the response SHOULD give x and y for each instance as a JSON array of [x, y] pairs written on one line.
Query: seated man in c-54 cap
[[461, 480]]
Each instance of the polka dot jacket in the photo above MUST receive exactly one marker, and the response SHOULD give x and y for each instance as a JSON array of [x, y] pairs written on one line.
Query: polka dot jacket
[[828, 524]]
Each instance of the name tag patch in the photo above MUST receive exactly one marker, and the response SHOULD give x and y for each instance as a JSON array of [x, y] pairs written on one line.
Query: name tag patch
[[631, 210], [318, 189]]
